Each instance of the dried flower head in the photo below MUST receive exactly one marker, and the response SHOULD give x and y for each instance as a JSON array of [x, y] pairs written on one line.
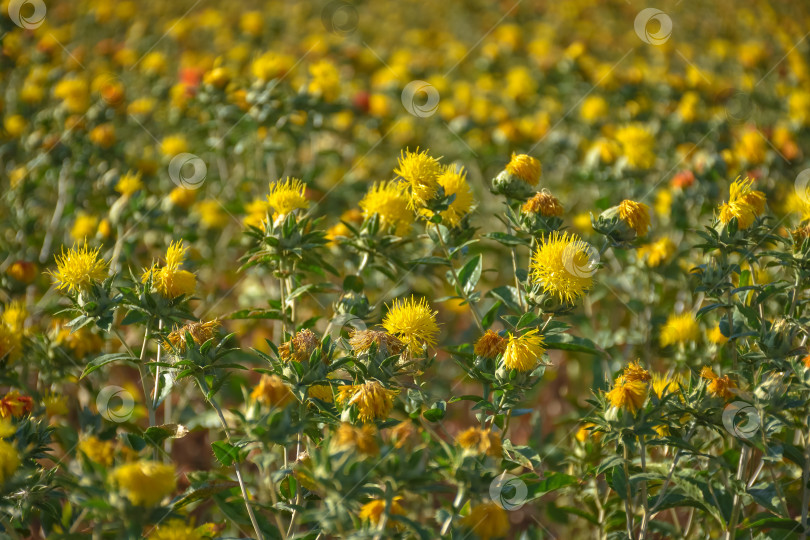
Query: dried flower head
[[481, 441], [200, 333], [372, 399], [543, 203], [387, 345], [490, 345], [300, 347]]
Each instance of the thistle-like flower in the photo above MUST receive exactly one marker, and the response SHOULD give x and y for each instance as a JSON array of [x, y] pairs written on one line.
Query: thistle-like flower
[[635, 215], [170, 281], [421, 173], [627, 394], [522, 352], [287, 196], [481, 441], [681, 328], [372, 399], [390, 201], [562, 265], [413, 322], [744, 203], [79, 268]]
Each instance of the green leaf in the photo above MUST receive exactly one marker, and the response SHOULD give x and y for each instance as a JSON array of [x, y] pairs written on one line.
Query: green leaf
[[157, 434], [568, 342], [436, 412], [226, 453], [105, 359], [506, 239], [470, 273]]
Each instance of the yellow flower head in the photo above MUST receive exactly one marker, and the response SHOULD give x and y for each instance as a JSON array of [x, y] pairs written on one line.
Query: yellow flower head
[[144, 483], [657, 252], [323, 392], [98, 451], [545, 204], [413, 322], [634, 372], [627, 394], [635, 215], [638, 145], [523, 352], [421, 174], [129, 184], [454, 182], [271, 391], [373, 510], [563, 267], [325, 80], [390, 201], [718, 386], [481, 441], [178, 529], [586, 431], [14, 315], [173, 145], [715, 335], [526, 168], [170, 280], [287, 196], [665, 384], [490, 345], [9, 461], [372, 399], [681, 328], [85, 225], [77, 269], [362, 439], [744, 203], [55, 404], [487, 520], [200, 332], [182, 197]]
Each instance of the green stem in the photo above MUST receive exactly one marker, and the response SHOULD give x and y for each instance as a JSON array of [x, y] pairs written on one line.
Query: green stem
[[459, 287]]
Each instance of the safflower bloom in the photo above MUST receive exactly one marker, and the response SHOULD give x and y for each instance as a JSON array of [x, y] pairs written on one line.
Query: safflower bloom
[[85, 225], [665, 384], [481, 441], [543, 203], [177, 529], [412, 322], [627, 394], [9, 461], [271, 391], [487, 520], [638, 145], [128, 184], [144, 483], [718, 386], [172, 145], [522, 352], [634, 372], [681, 328], [390, 201], [15, 404], [635, 215], [170, 280], [526, 168], [98, 451], [454, 182], [657, 252], [78, 269], [744, 203], [372, 399], [325, 80], [287, 196], [362, 439], [421, 174], [490, 345], [562, 266], [373, 510]]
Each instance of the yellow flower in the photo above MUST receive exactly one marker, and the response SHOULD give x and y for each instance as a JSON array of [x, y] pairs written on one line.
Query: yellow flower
[[586, 430], [490, 345], [744, 203], [15, 125], [9, 461], [169, 280], [454, 182], [390, 201], [657, 252], [177, 529], [412, 322], [77, 269], [627, 394], [172, 145], [526, 168], [718, 386], [14, 315], [421, 173], [562, 266], [98, 451], [271, 65], [55, 404], [638, 145], [635, 215], [129, 184], [182, 197], [211, 214], [665, 384], [325, 80], [372, 399], [252, 23], [373, 510], [594, 108], [287, 196], [81, 342], [681, 328], [487, 520], [256, 213], [271, 391], [362, 439], [715, 335], [634, 372], [323, 392], [200, 333], [481, 441], [85, 225], [144, 483], [523, 352], [103, 135], [545, 204]]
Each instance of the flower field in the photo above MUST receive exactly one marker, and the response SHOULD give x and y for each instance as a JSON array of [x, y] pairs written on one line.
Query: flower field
[[371, 270]]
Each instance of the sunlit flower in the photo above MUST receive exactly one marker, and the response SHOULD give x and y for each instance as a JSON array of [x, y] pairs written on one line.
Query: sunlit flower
[[523, 352], [413, 322], [454, 182], [78, 269], [487, 520], [182, 197], [563, 267], [526, 168], [634, 372], [83, 226], [129, 184], [638, 145], [543, 203], [170, 281], [681, 328], [373, 511], [325, 80], [372, 400], [287, 196], [718, 386], [627, 394], [172, 145], [98, 451], [666, 384], [657, 252], [716, 336], [390, 201], [490, 345], [744, 203], [635, 215], [144, 483], [271, 391], [481, 441], [361, 439], [9, 461], [421, 173]]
